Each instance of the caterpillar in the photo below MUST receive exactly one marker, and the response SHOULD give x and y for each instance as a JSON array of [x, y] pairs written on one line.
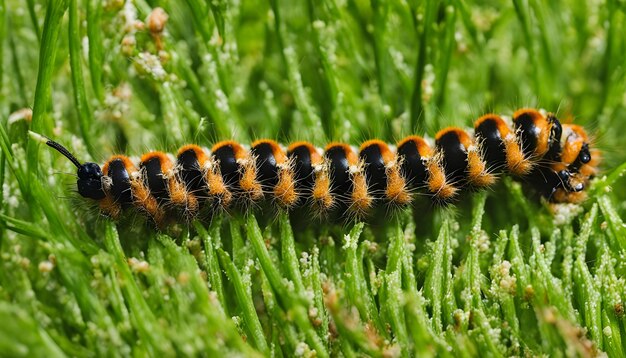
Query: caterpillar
[[533, 146]]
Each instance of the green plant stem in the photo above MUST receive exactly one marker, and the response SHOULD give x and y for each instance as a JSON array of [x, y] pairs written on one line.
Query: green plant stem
[[85, 116], [47, 55]]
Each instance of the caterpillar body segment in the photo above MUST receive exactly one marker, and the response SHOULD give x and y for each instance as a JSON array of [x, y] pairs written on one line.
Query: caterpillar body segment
[[500, 146], [306, 164], [556, 160], [539, 134], [165, 184], [238, 170], [383, 173], [275, 172]]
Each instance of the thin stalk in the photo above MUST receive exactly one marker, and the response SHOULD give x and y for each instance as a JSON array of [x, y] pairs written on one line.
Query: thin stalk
[[85, 116], [47, 56]]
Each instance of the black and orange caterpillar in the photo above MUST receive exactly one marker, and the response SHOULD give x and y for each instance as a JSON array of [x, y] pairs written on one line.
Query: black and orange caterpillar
[[553, 158]]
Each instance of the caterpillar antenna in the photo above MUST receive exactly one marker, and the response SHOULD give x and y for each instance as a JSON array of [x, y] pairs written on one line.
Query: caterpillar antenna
[[61, 149]]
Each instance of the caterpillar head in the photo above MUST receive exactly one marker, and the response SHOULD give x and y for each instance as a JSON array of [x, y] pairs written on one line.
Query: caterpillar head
[[90, 181], [577, 164], [89, 174], [570, 182]]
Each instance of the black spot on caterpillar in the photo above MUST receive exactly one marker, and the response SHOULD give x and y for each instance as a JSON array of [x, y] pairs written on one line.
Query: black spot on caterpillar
[[555, 159]]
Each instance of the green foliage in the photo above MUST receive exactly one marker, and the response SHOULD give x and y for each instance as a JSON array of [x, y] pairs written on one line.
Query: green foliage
[[497, 274]]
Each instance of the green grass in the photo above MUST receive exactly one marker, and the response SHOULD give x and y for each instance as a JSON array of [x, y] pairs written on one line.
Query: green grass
[[497, 274]]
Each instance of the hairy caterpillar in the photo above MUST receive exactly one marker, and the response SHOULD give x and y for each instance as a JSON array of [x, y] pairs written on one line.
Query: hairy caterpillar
[[556, 160]]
